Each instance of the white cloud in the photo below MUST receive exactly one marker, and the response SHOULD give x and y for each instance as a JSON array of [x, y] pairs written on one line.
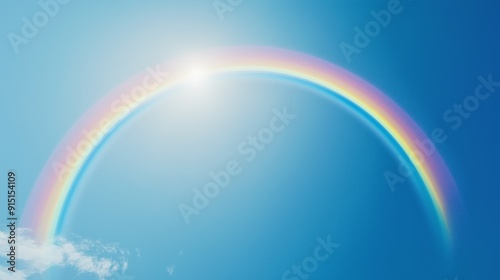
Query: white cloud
[[86, 256], [7, 275]]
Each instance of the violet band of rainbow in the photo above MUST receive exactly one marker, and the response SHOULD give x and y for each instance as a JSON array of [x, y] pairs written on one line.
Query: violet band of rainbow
[[45, 210]]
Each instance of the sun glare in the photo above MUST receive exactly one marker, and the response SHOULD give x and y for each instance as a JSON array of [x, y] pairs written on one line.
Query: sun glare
[[196, 75]]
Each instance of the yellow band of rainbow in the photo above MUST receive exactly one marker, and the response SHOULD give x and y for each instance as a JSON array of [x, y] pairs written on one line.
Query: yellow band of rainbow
[[49, 200]]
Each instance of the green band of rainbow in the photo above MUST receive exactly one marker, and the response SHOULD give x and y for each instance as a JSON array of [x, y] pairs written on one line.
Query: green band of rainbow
[[47, 205]]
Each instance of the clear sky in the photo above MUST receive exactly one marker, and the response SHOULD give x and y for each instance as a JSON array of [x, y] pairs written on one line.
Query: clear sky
[[313, 202]]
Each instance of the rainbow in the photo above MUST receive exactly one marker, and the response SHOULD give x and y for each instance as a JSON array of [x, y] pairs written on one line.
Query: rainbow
[[49, 201]]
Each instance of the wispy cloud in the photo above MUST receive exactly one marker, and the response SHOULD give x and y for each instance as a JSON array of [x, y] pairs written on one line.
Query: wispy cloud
[[170, 269], [85, 256]]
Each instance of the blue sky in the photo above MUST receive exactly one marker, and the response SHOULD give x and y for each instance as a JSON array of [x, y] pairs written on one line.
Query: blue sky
[[319, 178]]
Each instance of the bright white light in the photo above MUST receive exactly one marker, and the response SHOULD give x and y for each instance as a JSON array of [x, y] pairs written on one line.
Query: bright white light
[[196, 75]]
